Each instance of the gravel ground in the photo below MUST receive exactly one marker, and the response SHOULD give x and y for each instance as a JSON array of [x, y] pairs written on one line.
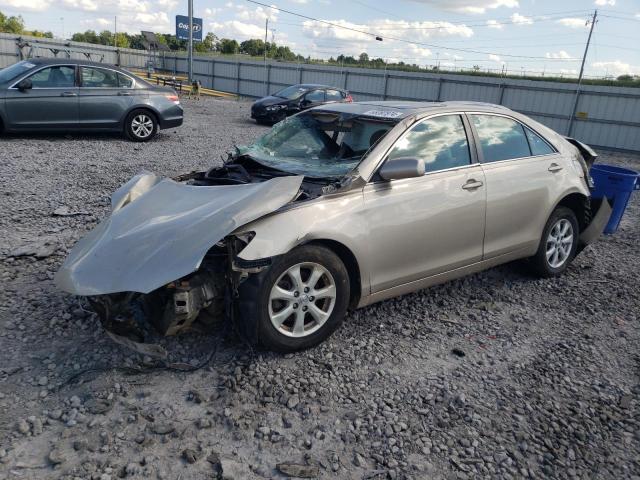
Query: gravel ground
[[495, 375]]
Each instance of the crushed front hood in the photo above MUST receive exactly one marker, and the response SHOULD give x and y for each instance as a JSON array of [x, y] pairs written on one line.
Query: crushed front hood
[[160, 230]]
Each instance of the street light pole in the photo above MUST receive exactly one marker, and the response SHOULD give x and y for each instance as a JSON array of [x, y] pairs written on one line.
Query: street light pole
[[190, 48]]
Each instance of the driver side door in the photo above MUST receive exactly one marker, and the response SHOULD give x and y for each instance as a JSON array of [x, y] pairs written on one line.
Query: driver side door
[[420, 227], [51, 103]]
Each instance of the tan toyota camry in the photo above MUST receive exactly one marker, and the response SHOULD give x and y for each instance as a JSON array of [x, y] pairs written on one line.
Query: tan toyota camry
[[338, 207]]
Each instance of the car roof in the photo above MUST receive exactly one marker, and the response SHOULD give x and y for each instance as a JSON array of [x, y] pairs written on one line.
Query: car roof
[[69, 61], [316, 85], [394, 109]]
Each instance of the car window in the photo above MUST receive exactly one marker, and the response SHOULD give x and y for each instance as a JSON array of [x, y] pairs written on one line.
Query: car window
[[291, 93], [500, 138], [98, 78], [334, 96], [54, 77], [15, 70], [537, 144], [441, 142], [315, 96], [124, 81]]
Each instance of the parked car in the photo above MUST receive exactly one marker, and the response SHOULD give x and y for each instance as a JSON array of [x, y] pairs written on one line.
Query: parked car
[[73, 95], [294, 99], [337, 207]]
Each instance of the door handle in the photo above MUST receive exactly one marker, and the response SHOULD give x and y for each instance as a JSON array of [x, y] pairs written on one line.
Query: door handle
[[472, 184], [68, 94], [554, 167], [124, 94]]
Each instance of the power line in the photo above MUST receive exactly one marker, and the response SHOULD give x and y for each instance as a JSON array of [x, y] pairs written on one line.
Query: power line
[[369, 34]]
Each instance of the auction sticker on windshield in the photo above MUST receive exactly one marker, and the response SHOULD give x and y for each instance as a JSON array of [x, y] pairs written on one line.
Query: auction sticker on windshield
[[382, 114]]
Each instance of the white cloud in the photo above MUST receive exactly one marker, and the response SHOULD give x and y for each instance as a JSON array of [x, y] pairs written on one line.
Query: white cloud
[[494, 24], [560, 54], [521, 19], [210, 12], [168, 4], [237, 30], [26, 5], [299, 2], [573, 22], [616, 67], [259, 14], [345, 30], [495, 58], [604, 3], [470, 6], [86, 5]]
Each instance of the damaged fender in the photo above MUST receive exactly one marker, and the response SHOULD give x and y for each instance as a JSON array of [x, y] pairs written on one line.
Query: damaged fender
[[160, 230]]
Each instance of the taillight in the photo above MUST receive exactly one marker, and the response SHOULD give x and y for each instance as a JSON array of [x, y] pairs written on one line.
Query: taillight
[[173, 98], [349, 98]]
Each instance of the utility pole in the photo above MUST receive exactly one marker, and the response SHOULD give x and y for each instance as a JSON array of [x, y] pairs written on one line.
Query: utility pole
[[115, 32], [584, 58], [266, 32], [190, 48], [266, 29]]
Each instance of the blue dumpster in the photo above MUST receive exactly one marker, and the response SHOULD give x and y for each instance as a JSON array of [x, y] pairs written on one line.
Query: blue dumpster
[[616, 184]]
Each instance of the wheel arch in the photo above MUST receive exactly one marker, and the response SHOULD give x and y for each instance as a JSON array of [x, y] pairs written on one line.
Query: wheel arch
[[350, 262], [580, 204], [148, 108]]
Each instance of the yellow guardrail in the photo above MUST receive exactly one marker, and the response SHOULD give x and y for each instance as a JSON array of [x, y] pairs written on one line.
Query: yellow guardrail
[[184, 87]]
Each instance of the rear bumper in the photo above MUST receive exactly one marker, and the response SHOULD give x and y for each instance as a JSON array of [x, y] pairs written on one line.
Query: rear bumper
[[171, 122], [171, 116]]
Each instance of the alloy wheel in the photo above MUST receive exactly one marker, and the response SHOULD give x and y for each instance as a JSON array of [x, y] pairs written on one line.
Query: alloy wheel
[[302, 299], [142, 125], [559, 243]]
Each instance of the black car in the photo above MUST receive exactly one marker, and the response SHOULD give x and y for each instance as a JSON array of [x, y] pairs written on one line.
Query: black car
[[63, 94], [294, 99]]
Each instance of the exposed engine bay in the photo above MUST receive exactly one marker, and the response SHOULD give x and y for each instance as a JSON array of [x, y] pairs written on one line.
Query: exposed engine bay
[[200, 301]]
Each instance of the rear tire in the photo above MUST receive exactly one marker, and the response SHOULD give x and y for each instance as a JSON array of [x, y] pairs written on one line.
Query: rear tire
[[298, 302], [558, 244], [140, 126]]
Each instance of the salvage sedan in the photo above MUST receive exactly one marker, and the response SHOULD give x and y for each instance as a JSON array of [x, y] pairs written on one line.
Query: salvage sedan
[[334, 208], [72, 95], [294, 99]]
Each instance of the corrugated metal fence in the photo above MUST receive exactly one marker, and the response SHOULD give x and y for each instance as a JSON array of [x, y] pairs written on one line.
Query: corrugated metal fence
[[605, 116]]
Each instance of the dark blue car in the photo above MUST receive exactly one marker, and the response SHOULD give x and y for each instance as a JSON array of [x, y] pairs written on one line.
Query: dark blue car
[[73, 95]]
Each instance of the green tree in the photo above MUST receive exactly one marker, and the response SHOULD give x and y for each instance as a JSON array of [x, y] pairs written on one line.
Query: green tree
[[364, 58], [11, 24], [229, 46], [254, 47]]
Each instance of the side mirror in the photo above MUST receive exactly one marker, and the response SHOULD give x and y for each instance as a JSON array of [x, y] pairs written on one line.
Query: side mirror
[[305, 103], [403, 167], [25, 85]]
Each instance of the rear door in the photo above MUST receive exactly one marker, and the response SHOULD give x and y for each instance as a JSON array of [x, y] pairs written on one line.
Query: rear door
[[51, 103], [334, 96], [105, 96], [419, 227], [525, 176], [313, 98]]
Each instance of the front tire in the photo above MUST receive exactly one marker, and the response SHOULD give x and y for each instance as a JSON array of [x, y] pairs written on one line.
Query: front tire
[[141, 126], [298, 302], [558, 244]]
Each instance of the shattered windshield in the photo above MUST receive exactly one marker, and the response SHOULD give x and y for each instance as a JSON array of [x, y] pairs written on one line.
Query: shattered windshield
[[291, 93], [318, 144]]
